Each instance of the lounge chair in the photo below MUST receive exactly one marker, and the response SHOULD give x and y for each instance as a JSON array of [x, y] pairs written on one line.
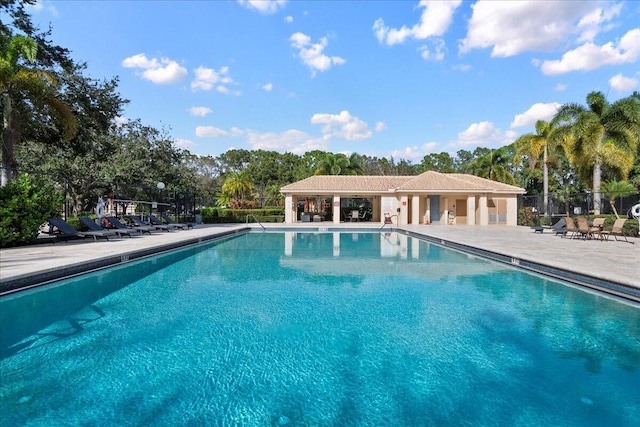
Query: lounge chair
[[571, 227], [616, 230], [168, 220], [560, 227], [65, 231], [138, 222], [117, 224], [154, 220], [596, 227], [584, 230], [92, 226]]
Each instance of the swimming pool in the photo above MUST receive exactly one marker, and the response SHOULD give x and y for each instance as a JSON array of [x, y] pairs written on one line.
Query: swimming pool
[[317, 329]]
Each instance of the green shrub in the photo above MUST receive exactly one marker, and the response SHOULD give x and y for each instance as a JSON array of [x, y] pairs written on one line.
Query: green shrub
[[25, 204], [225, 215]]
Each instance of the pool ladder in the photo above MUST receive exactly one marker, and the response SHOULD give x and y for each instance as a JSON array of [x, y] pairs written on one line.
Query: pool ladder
[[246, 221]]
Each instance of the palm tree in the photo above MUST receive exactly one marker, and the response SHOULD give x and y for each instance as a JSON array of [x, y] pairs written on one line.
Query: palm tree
[[534, 145], [18, 83], [333, 164], [603, 134], [237, 185], [613, 189], [492, 166]]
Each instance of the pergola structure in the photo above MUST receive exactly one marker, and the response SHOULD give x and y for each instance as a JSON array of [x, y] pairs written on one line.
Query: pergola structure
[[428, 198]]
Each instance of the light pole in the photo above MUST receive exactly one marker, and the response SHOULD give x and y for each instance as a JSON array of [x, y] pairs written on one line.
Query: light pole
[[160, 186]]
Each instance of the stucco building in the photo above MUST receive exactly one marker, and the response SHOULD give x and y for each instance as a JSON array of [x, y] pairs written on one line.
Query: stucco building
[[428, 198]]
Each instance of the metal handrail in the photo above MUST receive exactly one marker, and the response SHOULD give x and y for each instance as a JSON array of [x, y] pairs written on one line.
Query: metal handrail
[[254, 217], [385, 223]]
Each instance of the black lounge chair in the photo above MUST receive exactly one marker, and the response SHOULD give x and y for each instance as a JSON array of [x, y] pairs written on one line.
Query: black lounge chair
[[65, 231], [560, 227], [138, 222], [155, 221], [115, 223], [168, 220], [92, 226]]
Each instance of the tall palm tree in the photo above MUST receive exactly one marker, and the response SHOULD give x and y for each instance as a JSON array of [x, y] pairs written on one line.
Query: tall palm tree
[[534, 145], [19, 83], [603, 134]]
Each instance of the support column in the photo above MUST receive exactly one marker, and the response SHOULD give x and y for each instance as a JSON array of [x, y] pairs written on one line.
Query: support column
[[471, 210], [512, 211], [416, 219], [483, 210], [403, 215], [289, 210], [336, 209]]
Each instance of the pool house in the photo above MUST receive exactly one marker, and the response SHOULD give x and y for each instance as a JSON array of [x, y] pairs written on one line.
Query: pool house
[[428, 198]]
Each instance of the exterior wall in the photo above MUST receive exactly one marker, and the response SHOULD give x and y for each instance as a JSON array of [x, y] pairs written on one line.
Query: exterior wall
[[512, 210], [482, 211]]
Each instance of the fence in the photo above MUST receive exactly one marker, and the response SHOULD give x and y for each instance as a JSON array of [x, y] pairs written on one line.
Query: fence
[[562, 204]]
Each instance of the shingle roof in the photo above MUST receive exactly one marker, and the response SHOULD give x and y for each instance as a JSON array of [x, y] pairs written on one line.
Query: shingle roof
[[426, 182]]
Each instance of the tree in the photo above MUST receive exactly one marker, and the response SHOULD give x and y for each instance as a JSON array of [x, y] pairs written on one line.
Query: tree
[[238, 185], [536, 145], [439, 162], [24, 88], [614, 189], [493, 166], [603, 135], [333, 164]]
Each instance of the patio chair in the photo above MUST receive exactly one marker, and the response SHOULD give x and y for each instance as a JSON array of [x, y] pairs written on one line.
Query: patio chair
[[354, 216], [596, 227], [65, 231], [616, 230], [584, 230], [92, 226], [138, 222], [572, 230], [560, 227], [117, 224], [168, 220], [154, 220]]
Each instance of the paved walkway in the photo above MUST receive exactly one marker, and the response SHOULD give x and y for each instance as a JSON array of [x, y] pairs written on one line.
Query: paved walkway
[[611, 261]]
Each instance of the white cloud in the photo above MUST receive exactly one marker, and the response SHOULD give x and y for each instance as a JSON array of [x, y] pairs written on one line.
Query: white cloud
[[263, 6], [268, 87], [288, 19], [434, 21], [292, 140], [380, 127], [434, 50], [208, 78], [560, 87], [312, 54], [483, 134], [199, 111], [163, 71], [414, 154], [184, 144], [590, 56], [120, 120], [39, 6], [512, 27], [461, 67], [620, 83], [342, 125], [210, 132], [536, 112]]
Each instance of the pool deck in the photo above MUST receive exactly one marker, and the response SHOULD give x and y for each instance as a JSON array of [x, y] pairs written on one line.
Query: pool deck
[[614, 262]]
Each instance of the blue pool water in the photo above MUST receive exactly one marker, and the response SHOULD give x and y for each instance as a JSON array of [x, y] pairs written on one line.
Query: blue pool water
[[317, 329]]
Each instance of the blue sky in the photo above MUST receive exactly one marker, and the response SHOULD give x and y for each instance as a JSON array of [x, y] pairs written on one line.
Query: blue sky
[[381, 78]]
